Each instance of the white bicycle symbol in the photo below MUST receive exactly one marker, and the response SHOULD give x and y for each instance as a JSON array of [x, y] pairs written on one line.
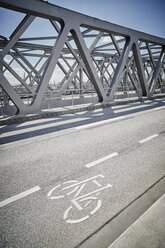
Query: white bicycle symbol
[[79, 201]]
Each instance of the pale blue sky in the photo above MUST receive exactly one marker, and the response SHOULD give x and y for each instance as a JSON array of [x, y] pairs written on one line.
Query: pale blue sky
[[144, 15]]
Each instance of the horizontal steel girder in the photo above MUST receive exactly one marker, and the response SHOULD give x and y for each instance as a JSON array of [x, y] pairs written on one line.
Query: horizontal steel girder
[[141, 57]]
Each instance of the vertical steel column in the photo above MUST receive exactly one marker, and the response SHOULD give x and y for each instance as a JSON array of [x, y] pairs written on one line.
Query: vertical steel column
[[81, 82]]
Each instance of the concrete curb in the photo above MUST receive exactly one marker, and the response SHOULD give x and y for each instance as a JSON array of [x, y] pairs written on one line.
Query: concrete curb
[[146, 231], [46, 114], [119, 223]]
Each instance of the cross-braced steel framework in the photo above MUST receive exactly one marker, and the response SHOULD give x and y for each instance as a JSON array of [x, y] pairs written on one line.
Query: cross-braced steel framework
[[86, 53]]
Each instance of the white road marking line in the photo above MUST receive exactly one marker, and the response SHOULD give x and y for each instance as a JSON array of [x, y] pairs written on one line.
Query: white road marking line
[[97, 183], [83, 197], [97, 208], [19, 196], [98, 123], [87, 203], [148, 138], [66, 213], [51, 191], [73, 185], [101, 160]]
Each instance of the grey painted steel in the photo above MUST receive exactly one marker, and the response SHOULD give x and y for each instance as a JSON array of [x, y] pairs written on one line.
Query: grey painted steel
[[117, 64], [17, 33], [156, 71]]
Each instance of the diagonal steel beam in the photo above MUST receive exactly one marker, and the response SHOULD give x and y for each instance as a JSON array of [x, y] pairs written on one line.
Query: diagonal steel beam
[[17, 33], [151, 58], [140, 68], [100, 70], [85, 54], [116, 44], [156, 73], [127, 67], [74, 21], [22, 65], [119, 69], [78, 59], [11, 92], [80, 62], [25, 61], [51, 63], [69, 80], [17, 77], [150, 54], [39, 74]]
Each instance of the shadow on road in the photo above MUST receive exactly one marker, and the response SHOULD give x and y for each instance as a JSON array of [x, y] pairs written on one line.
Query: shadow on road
[[63, 122]]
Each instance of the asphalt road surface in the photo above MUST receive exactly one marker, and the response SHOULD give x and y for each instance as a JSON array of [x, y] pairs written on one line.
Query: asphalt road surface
[[63, 178]]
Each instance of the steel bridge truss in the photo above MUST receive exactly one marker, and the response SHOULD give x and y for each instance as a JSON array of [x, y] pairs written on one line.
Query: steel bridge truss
[[85, 53]]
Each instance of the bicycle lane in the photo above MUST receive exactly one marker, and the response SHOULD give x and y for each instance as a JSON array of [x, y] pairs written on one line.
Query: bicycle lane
[[50, 216]]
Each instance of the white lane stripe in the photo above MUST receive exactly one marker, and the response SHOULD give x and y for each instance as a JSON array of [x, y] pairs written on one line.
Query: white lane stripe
[[148, 138], [101, 122], [19, 196], [101, 160]]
